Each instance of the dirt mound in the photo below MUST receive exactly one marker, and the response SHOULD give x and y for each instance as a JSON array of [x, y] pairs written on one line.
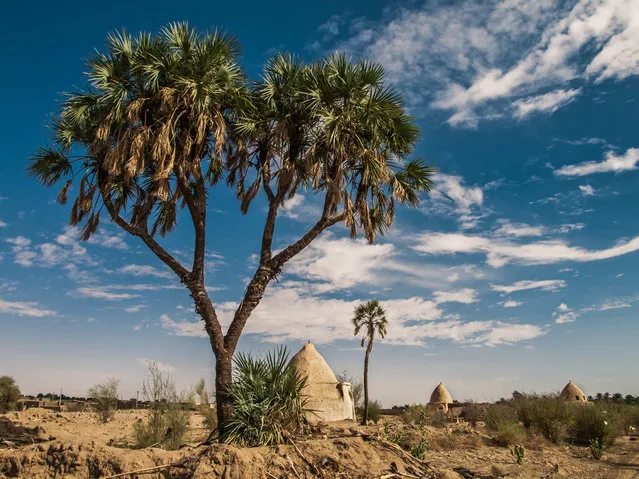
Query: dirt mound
[[85, 448]]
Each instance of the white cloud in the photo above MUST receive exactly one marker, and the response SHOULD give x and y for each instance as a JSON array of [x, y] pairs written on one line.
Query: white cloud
[[568, 227], [546, 103], [465, 296], [615, 304], [500, 251], [519, 230], [565, 315], [341, 263], [144, 270], [511, 303], [3, 224], [289, 312], [24, 309], [582, 141], [135, 309], [488, 59], [101, 292], [450, 196], [301, 208], [545, 285], [160, 365], [612, 163]]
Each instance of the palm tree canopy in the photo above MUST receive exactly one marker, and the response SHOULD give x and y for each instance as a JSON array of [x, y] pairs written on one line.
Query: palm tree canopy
[[165, 117], [333, 127], [371, 317], [150, 128]]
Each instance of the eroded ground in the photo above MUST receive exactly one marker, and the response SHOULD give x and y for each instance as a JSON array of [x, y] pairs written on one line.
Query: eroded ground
[[76, 445]]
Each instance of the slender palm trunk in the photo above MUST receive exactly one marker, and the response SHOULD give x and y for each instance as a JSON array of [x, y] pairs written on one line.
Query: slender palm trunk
[[369, 348]]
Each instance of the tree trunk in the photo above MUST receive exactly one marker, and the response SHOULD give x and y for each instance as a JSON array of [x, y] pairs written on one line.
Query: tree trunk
[[368, 353], [223, 381]]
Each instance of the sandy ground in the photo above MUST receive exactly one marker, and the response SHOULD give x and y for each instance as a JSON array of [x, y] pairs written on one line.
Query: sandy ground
[[76, 445]]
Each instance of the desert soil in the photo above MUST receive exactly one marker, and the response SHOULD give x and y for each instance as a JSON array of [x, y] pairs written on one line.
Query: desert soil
[[75, 445]]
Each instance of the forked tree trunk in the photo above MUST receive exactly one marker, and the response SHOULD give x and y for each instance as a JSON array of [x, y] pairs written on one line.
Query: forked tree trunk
[[368, 352], [223, 381]]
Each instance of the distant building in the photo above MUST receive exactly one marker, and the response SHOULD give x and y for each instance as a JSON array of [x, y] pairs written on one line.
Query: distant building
[[573, 393], [327, 398], [441, 398]]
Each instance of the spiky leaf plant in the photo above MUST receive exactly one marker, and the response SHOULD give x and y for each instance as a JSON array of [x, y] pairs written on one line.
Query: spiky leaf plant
[[267, 398]]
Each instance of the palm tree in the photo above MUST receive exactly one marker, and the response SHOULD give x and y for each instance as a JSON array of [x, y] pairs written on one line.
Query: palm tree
[[372, 318], [164, 118]]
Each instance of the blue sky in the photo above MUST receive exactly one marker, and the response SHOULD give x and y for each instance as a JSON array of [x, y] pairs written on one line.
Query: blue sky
[[519, 272]]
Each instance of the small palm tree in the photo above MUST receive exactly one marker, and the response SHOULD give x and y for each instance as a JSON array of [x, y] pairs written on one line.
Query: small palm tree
[[372, 318]]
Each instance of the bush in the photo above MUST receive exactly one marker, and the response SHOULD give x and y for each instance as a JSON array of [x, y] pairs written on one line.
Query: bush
[[9, 393], [205, 408], [415, 414], [497, 415], [625, 416], [551, 416], [167, 424], [594, 423], [267, 400], [596, 449], [374, 411], [471, 413], [437, 418], [508, 434], [105, 398]]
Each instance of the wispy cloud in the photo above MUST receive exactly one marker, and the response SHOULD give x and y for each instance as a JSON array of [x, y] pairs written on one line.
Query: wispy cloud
[[144, 270], [481, 60], [546, 103], [24, 309], [451, 196], [160, 365], [545, 285], [290, 312], [511, 303], [500, 251], [613, 163]]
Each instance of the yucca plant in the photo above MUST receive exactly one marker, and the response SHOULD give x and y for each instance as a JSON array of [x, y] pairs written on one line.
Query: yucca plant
[[268, 404]]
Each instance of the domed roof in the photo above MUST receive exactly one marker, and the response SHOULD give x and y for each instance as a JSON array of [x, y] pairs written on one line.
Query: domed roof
[[327, 399], [440, 395], [311, 364], [572, 392]]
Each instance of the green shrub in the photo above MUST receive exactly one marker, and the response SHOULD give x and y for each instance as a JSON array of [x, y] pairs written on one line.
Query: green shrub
[[206, 409], [508, 434], [524, 406], [415, 414], [9, 393], [625, 416], [169, 419], [518, 452], [437, 418], [550, 415], [594, 422], [596, 448], [105, 398], [374, 411], [267, 400], [497, 415], [471, 413], [419, 449]]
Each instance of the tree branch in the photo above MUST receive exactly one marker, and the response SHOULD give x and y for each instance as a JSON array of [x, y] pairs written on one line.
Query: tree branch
[[264, 274], [198, 216]]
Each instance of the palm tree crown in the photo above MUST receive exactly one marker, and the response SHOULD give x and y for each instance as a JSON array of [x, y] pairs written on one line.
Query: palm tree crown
[[149, 130], [372, 317]]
